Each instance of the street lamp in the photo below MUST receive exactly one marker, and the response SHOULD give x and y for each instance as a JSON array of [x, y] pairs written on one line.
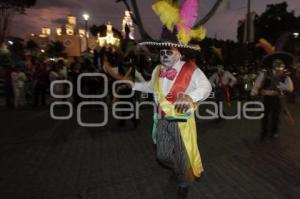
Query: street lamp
[[86, 17], [296, 34]]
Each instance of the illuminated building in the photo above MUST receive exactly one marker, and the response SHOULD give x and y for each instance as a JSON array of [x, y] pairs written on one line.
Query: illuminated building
[[45, 32], [109, 38], [75, 38], [59, 31]]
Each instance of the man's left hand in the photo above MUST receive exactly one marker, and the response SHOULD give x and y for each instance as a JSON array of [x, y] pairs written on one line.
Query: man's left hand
[[183, 103]]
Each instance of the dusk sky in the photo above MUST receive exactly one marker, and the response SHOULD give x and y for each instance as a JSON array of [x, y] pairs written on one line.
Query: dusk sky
[[52, 13]]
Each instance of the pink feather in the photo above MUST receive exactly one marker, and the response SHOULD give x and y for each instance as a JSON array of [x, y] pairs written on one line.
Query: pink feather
[[189, 13]]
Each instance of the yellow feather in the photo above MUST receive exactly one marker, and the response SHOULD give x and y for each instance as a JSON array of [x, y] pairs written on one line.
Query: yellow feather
[[266, 45], [198, 33], [185, 36], [168, 13]]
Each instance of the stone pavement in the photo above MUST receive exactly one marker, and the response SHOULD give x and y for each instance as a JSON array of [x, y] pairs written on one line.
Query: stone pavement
[[41, 158]]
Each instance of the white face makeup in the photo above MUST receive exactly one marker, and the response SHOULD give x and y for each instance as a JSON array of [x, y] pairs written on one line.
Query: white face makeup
[[169, 57]]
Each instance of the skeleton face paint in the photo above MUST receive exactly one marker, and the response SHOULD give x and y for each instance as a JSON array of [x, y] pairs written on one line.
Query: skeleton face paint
[[169, 57]]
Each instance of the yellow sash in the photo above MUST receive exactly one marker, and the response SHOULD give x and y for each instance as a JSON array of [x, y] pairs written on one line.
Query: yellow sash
[[187, 129]]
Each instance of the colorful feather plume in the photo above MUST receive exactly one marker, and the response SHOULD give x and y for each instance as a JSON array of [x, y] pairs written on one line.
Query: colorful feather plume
[[264, 44], [168, 13], [189, 13], [183, 18], [197, 34]]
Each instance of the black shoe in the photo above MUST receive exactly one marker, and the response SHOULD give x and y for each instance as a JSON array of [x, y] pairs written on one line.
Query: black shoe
[[182, 192]]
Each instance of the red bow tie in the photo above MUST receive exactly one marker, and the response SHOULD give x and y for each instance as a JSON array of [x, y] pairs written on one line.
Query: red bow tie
[[169, 73]]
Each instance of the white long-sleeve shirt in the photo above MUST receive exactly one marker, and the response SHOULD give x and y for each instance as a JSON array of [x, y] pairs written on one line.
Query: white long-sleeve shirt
[[18, 79], [199, 88], [139, 77], [227, 79], [287, 85]]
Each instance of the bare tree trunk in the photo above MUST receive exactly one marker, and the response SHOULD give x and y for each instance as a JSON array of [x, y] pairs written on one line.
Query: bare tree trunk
[[5, 17]]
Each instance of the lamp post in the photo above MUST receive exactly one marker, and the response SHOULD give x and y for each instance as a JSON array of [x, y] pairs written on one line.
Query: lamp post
[[86, 17], [248, 33], [248, 37]]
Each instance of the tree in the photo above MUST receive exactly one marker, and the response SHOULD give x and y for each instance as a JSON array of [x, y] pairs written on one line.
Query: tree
[[94, 29], [4, 59], [8, 8], [56, 49], [33, 49], [16, 49], [32, 46], [273, 23]]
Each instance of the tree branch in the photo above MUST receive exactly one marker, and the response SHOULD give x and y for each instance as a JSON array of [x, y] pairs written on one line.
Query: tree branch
[[144, 34], [129, 9], [136, 18], [209, 14]]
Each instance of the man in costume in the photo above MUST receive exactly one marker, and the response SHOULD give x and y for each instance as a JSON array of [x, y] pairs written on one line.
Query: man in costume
[[177, 87], [272, 84], [222, 80]]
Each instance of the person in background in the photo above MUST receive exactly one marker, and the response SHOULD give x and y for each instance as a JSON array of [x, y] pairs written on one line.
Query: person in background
[[128, 72], [297, 82], [62, 69], [248, 82], [222, 81], [55, 74], [110, 65], [40, 84], [272, 84], [18, 79], [8, 87], [75, 72]]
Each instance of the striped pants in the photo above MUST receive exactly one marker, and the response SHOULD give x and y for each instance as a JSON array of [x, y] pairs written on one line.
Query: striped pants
[[171, 151]]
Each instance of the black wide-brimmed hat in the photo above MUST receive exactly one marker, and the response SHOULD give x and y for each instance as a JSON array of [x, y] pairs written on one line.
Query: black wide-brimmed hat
[[287, 58], [169, 40]]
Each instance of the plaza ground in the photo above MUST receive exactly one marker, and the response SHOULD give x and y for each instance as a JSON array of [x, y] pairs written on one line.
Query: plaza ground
[[43, 158]]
